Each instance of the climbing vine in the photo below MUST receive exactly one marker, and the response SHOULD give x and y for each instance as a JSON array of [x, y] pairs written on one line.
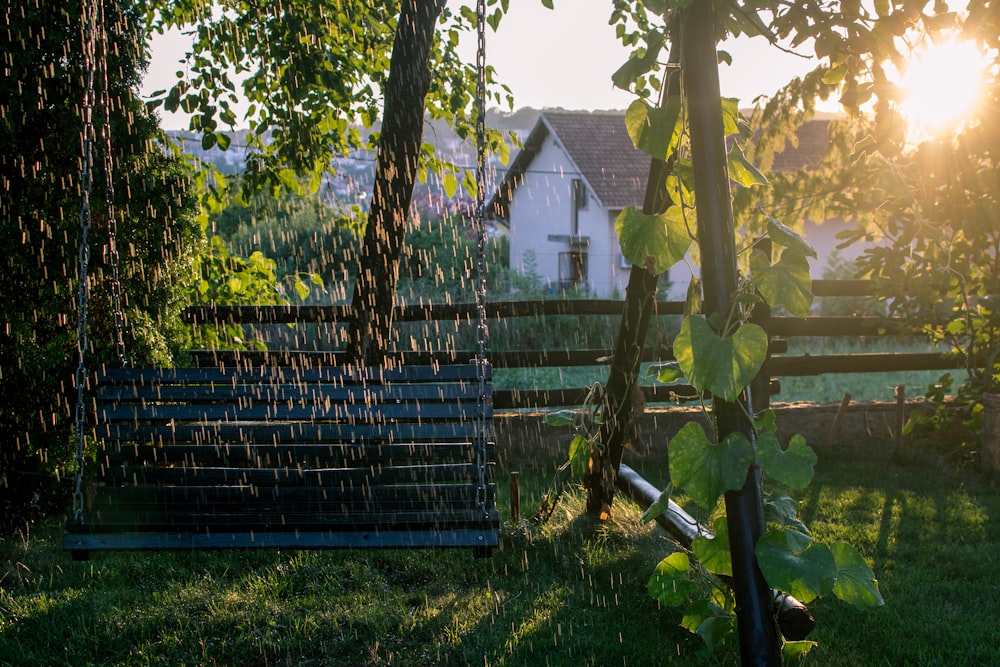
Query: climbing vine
[[720, 354]]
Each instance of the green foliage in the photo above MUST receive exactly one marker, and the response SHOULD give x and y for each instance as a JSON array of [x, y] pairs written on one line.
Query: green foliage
[[655, 242], [669, 582], [793, 466], [41, 96], [706, 470], [225, 279], [313, 75], [720, 354], [722, 365]]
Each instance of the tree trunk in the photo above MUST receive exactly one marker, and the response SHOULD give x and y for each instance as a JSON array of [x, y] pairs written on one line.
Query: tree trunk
[[640, 296], [395, 172]]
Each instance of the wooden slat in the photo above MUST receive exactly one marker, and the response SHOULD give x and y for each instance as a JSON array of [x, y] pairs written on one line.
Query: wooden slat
[[485, 537], [286, 375], [244, 392], [278, 412], [291, 432], [317, 456], [319, 477]]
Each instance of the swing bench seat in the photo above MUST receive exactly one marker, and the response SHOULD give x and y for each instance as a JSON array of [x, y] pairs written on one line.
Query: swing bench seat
[[281, 457]]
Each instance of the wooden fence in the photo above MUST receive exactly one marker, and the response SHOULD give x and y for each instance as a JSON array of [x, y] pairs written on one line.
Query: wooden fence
[[462, 315]]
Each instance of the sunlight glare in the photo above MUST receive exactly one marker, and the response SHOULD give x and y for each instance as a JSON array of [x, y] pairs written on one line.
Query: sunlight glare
[[942, 85]]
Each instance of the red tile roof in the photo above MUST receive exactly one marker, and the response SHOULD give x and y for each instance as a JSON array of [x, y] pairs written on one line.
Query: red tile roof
[[615, 170]]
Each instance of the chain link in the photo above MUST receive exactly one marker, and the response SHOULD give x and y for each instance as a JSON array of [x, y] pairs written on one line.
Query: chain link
[[83, 288], [480, 224]]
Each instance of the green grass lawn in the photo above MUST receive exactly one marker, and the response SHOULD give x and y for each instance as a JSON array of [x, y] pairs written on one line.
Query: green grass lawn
[[570, 593]]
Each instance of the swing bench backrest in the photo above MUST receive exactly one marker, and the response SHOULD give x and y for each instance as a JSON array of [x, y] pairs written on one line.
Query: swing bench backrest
[[278, 457]]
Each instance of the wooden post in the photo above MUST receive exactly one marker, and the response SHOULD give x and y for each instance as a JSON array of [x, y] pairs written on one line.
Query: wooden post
[[839, 419], [756, 626], [515, 497], [760, 387], [900, 416]]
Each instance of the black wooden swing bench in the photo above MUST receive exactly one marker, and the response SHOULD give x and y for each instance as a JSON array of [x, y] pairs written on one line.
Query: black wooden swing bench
[[281, 457]]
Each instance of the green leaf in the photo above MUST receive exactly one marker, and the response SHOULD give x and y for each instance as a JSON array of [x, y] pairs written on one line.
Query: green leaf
[[692, 302], [766, 421], [782, 509], [667, 372], [561, 418], [804, 575], [302, 290], [720, 365], [661, 505], [579, 454], [792, 467], [714, 553], [450, 184], [786, 283], [856, 582], [741, 170], [669, 582], [547, 4], [835, 74], [793, 652], [788, 237], [639, 63], [654, 242], [654, 130], [208, 141], [706, 470], [711, 620]]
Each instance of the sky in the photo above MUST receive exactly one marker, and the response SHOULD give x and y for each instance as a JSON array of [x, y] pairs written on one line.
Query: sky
[[558, 58]]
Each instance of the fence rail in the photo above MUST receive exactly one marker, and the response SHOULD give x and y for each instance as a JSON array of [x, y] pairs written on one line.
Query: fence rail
[[779, 328]]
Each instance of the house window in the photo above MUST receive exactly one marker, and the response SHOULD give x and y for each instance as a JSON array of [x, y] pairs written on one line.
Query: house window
[[579, 194], [572, 270]]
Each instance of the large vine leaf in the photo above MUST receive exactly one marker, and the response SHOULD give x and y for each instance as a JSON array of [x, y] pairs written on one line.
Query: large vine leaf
[[579, 454], [804, 574], [713, 553], [654, 242], [710, 620], [741, 170], [661, 505], [669, 582], [792, 467], [856, 582], [786, 283], [720, 365], [654, 130], [782, 509], [785, 236], [706, 470]]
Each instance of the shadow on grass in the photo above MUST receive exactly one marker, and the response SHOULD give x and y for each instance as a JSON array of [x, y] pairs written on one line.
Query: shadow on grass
[[570, 593]]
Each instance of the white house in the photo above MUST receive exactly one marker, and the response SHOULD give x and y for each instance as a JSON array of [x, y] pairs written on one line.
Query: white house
[[576, 172], [561, 195]]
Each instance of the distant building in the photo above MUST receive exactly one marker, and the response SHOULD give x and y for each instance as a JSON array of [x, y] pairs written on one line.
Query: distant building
[[576, 172]]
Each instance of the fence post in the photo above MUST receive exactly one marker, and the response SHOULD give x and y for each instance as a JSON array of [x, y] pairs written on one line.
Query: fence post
[[760, 387]]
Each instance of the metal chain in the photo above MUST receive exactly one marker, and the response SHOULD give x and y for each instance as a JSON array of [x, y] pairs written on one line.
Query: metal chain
[[480, 224], [109, 190], [83, 289]]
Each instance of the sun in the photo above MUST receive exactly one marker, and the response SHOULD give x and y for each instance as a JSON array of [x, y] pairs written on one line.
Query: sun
[[942, 85]]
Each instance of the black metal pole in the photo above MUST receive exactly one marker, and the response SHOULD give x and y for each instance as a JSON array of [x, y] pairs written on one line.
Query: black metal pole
[[757, 629]]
